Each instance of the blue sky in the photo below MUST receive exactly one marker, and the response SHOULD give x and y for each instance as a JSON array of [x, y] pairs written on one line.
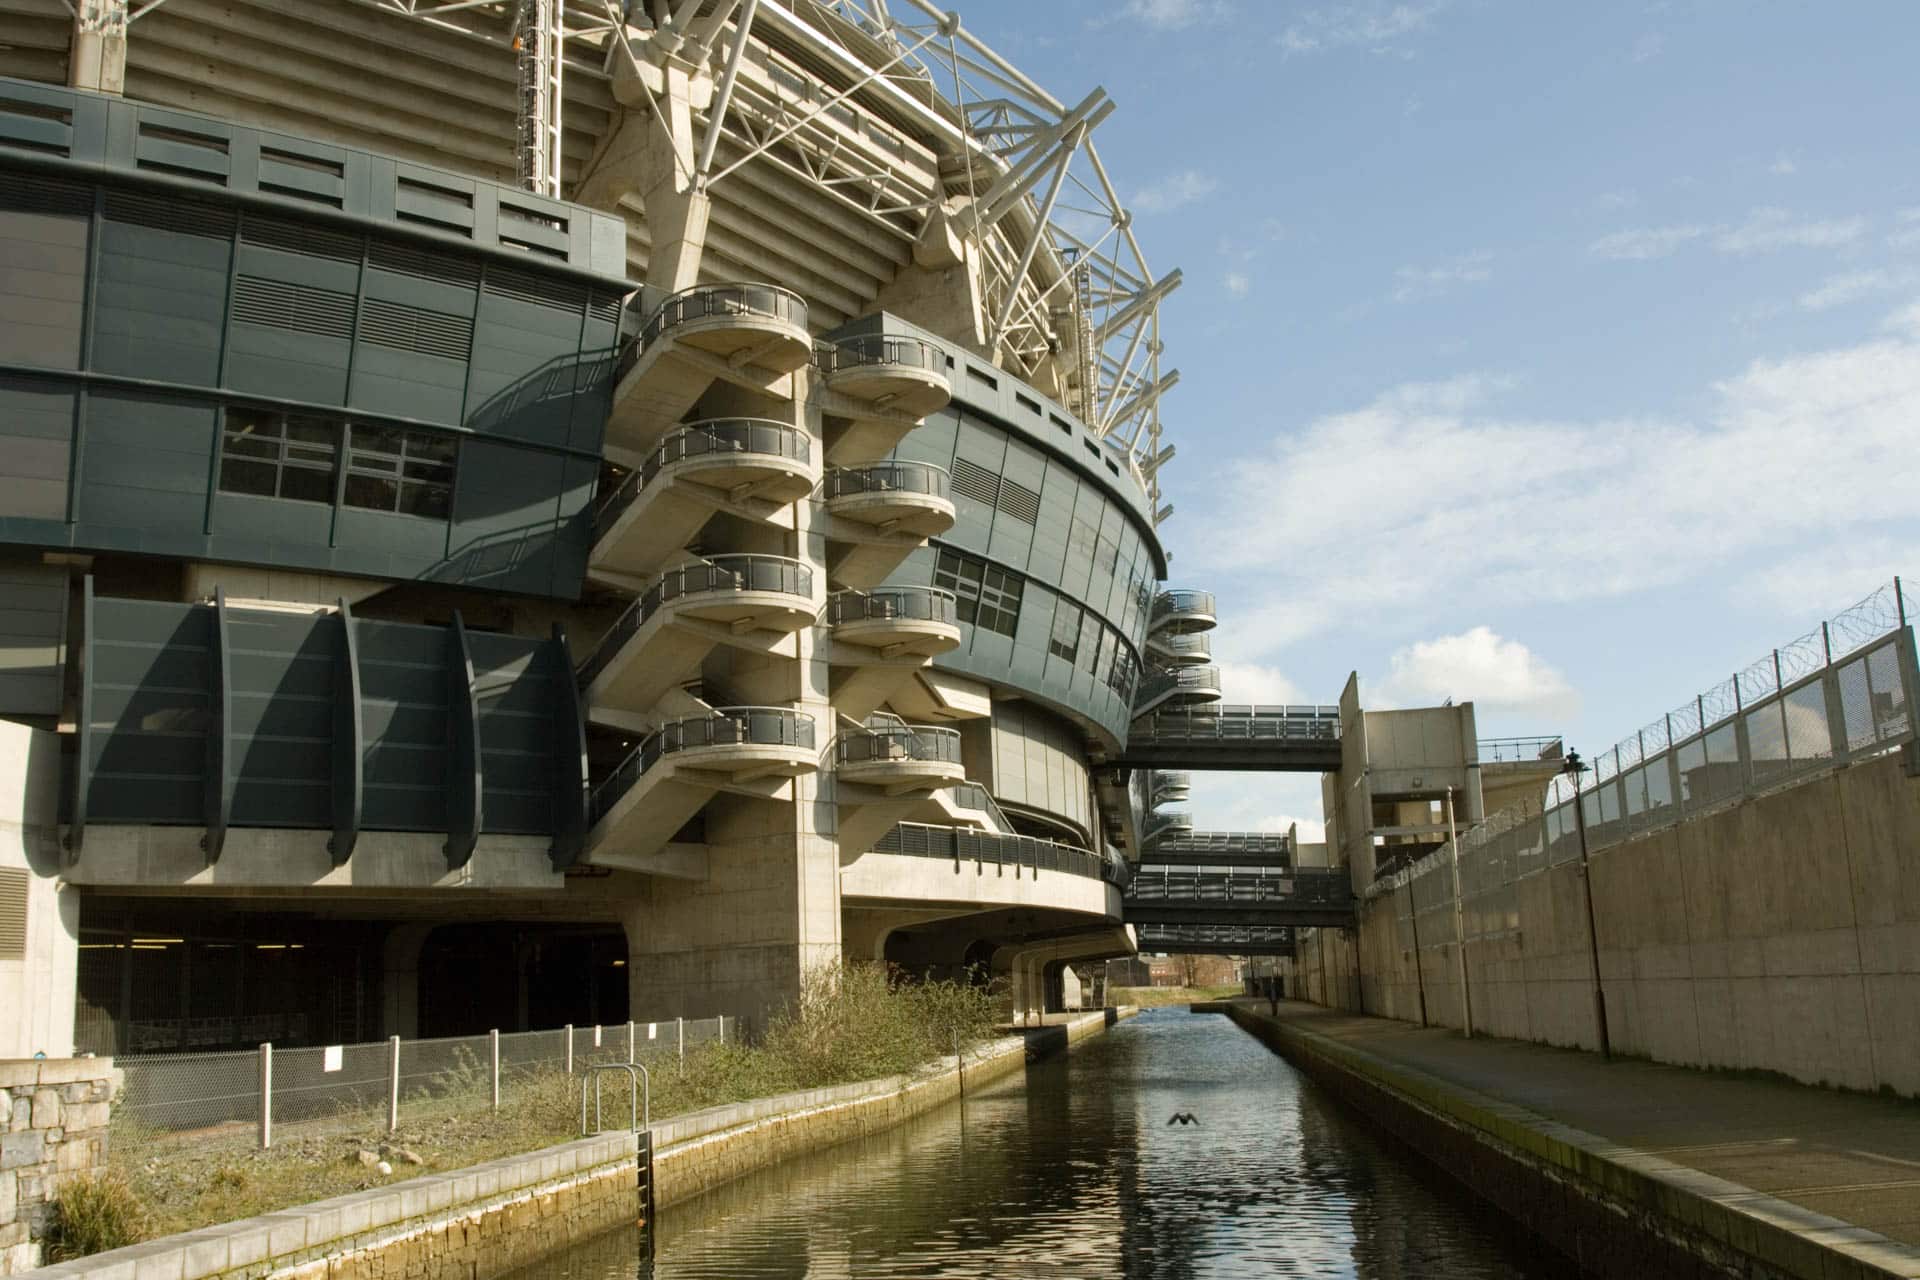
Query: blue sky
[[1561, 357]]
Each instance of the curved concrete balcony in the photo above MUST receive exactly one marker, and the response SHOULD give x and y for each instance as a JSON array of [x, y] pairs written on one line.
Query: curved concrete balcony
[[1179, 687], [749, 335], [749, 601], [1173, 649], [1160, 826], [751, 467], [895, 757], [1168, 786], [759, 324], [896, 621], [1181, 612], [892, 497], [901, 374], [635, 811]]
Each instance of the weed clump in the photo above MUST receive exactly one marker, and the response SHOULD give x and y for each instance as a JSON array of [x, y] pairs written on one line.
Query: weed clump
[[94, 1211]]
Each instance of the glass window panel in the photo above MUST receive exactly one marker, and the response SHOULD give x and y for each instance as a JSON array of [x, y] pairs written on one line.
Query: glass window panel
[[305, 484], [372, 492], [240, 476]]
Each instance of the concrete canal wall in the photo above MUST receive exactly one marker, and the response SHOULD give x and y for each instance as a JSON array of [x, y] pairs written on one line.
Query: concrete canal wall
[[1779, 934], [490, 1218], [1610, 1207]]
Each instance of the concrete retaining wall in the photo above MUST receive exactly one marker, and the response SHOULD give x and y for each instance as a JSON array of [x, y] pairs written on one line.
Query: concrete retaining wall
[[53, 1123], [1781, 934], [1615, 1211], [488, 1219]]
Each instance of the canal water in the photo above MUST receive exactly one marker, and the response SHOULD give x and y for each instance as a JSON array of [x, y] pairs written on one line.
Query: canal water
[[1078, 1172]]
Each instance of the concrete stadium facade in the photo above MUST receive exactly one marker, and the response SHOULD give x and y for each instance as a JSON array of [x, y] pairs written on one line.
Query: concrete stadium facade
[[535, 513]]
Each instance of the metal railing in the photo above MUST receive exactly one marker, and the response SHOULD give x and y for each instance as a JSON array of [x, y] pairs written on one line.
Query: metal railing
[[1167, 785], [705, 300], [1159, 684], [1173, 822], [887, 477], [1237, 939], [1520, 750], [889, 739], [971, 795], [1306, 887], [1277, 844], [990, 848], [1191, 646], [369, 1089], [1842, 693], [1232, 723], [884, 604], [715, 576], [713, 436], [1181, 604], [879, 349], [726, 727]]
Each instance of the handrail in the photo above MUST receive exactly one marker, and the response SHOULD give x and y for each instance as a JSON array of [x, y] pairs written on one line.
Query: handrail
[[872, 349], [1175, 680], [899, 741], [923, 840], [1239, 723], [883, 604], [715, 575], [760, 436], [744, 298], [727, 726], [1306, 886], [1182, 600], [1183, 645], [893, 476], [1519, 750]]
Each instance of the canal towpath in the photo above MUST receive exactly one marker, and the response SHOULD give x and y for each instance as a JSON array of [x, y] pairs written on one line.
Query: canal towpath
[[1838, 1169]]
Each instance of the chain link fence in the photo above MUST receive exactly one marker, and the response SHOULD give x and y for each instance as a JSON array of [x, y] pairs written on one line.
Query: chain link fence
[[238, 1099], [1843, 692]]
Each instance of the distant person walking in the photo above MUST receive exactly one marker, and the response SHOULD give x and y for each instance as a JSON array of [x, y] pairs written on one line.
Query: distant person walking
[[1273, 995]]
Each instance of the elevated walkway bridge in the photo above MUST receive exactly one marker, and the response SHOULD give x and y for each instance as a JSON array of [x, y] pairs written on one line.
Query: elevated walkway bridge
[[1279, 739], [1218, 939]]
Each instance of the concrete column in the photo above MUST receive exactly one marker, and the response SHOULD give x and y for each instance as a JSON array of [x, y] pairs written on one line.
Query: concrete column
[[97, 58], [38, 987], [400, 980]]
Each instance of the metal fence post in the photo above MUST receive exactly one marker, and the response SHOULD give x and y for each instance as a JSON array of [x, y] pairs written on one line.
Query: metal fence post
[[493, 1052], [633, 1049], [722, 1020], [680, 1033], [569, 1048], [266, 1096], [393, 1084]]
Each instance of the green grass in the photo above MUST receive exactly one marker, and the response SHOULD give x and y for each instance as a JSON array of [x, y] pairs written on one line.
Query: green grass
[[849, 1024], [1157, 997]]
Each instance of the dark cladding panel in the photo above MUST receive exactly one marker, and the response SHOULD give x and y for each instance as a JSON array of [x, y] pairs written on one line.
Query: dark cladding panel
[[36, 447], [33, 630], [505, 517], [281, 673], [526, 356], [144, 466], [161, 293], [513, 685], [403, 692], [43, 269], [152, 671]]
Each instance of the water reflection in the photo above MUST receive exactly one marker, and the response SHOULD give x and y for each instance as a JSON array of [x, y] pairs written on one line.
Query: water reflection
[[1080, 1174]]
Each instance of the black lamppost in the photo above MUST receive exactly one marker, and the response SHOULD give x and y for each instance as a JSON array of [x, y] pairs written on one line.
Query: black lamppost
[[1573, 767]]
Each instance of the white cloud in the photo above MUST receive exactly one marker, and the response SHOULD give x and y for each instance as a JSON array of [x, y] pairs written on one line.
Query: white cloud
[[1256, 684], [1642, 243], [1649, 46], [1479, 666], [1416, 283], [1905, 321], [1785, 164], [1259, 802], [1357, 23], [1824, 581], [1171, 15], [1238, 284], [1397, 510], [1907, 235], [1852, 286], [1175, 190], [1766, 230]]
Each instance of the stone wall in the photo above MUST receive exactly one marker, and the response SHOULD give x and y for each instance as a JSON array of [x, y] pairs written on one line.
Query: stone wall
[[54, 1124], [1779, 934]]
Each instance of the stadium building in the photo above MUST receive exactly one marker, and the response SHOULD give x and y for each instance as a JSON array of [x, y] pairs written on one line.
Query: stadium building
[[551, 512]]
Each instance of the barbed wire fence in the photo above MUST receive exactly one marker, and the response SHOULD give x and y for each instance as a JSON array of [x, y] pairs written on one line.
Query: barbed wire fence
[[1843, 692], [239, 1098]]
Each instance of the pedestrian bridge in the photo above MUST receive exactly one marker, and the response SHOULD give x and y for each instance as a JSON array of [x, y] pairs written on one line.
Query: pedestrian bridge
[[1217, 939], [1196, 895], [1279, 739]]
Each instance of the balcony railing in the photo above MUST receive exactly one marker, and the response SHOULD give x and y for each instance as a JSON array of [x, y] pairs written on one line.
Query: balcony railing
[[963, 844], [1191, 680], [887, 477], [1180, 604], [1195, 644], [715, 436], [882, 349], [890, 740], [706, 300], [1520, 750], [726, 727], [885, 604], [719, 575], [1239, 724]]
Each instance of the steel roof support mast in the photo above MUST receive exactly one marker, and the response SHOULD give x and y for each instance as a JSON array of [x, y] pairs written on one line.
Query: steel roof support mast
[[539, 29]]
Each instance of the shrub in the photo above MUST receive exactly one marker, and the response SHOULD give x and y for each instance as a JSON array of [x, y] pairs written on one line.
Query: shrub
[[94, 1211]]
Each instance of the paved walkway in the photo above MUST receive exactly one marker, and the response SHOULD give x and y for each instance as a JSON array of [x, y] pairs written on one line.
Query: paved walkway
[[1850, 1156]]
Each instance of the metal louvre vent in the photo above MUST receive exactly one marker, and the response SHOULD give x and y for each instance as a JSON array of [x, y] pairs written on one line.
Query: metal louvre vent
[[298, 308], [292, 237], [164, 214], [45, 195], [605, 307], [975, 481], [1018, 501], [13, 913], [422, 264], [525, 286], [416, 329]]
